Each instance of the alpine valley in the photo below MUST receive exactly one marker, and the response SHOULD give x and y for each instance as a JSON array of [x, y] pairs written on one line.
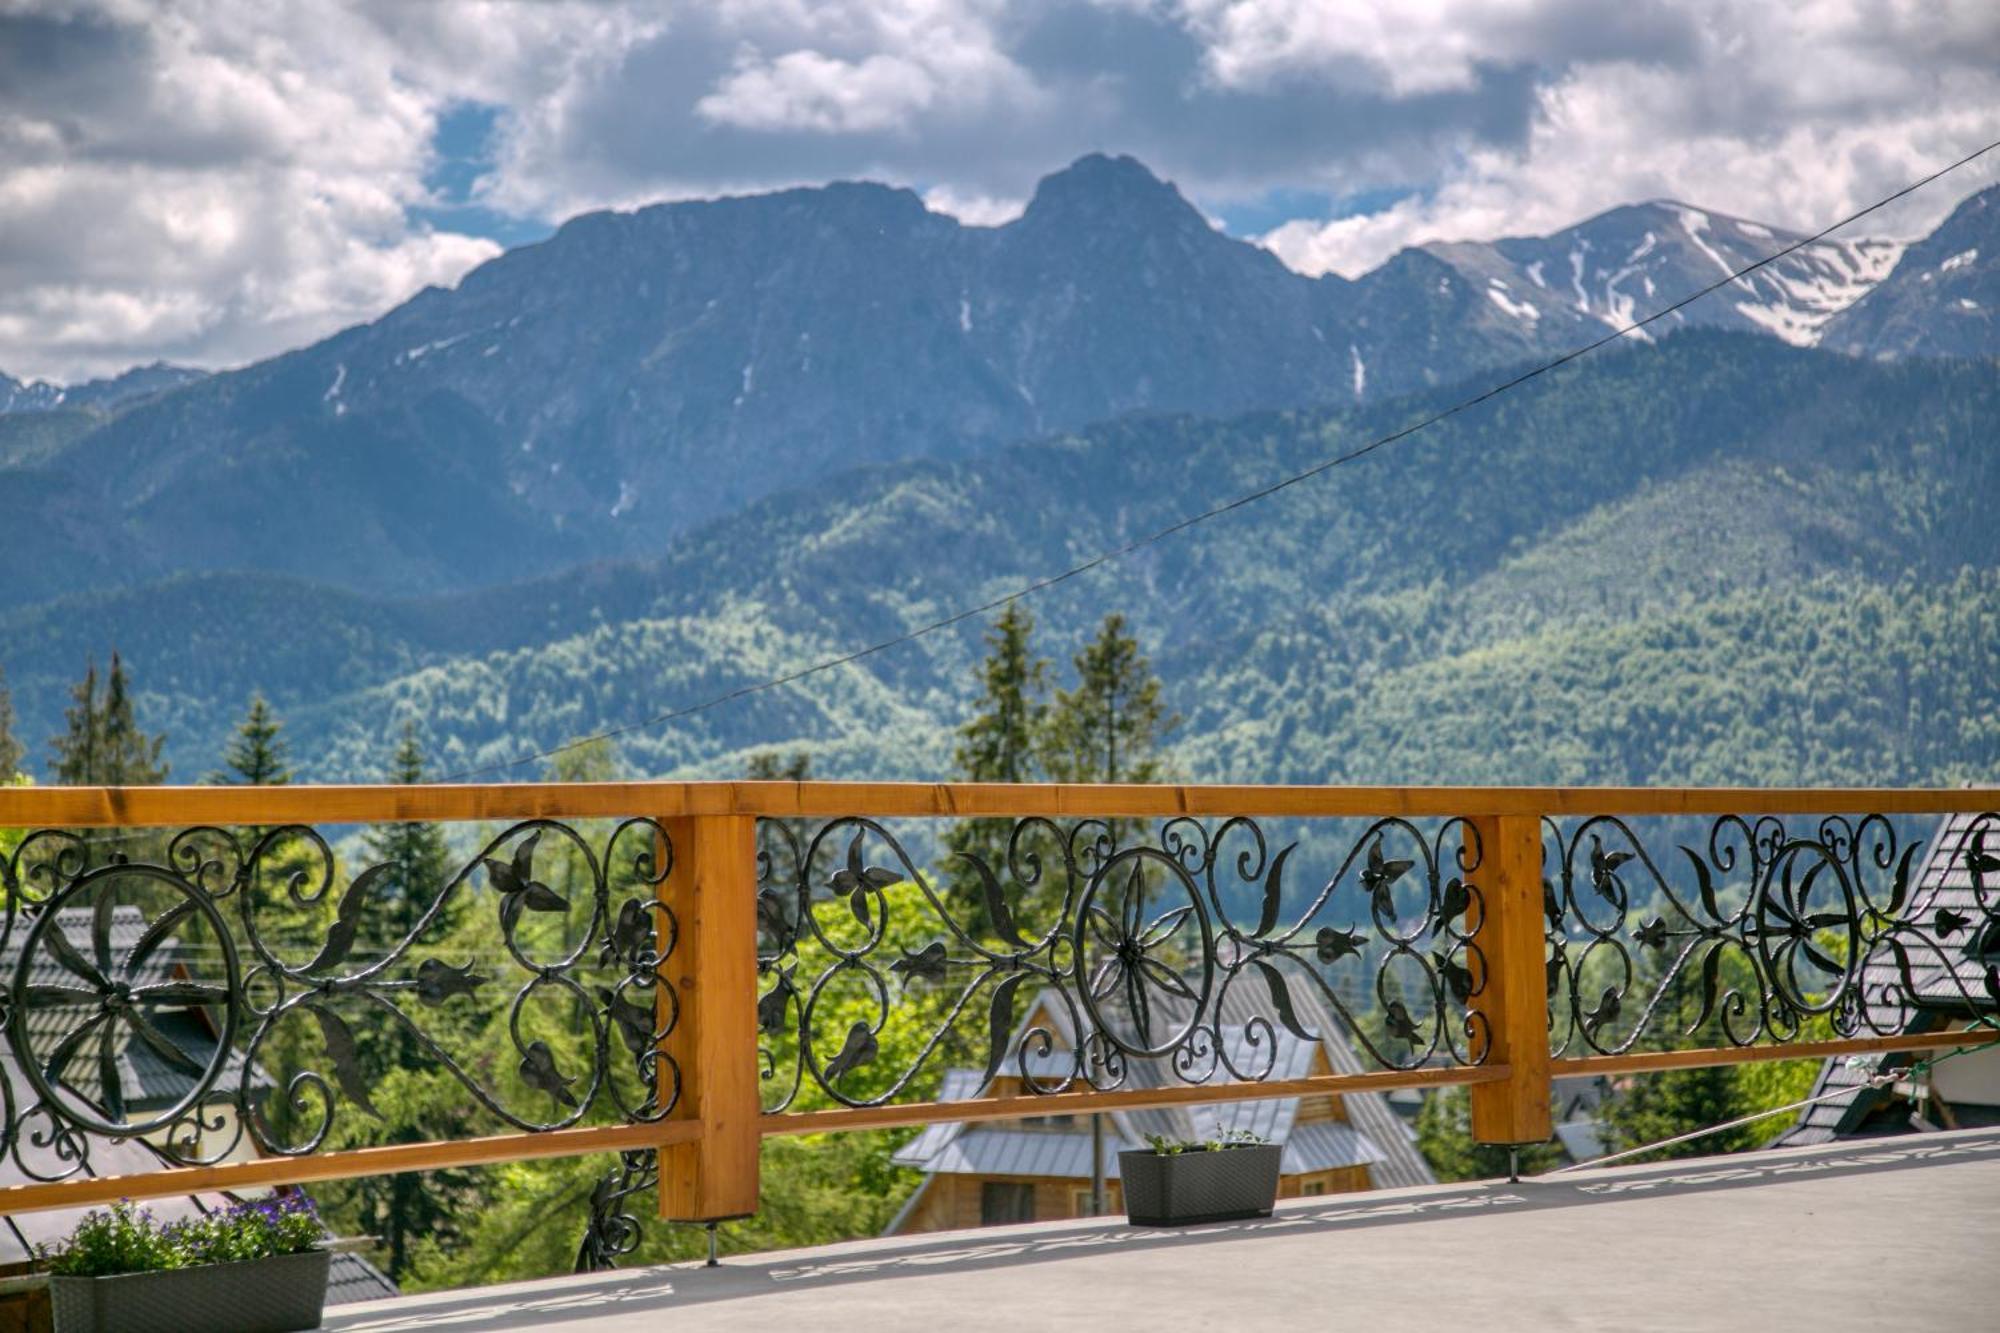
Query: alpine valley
[[666, 453]]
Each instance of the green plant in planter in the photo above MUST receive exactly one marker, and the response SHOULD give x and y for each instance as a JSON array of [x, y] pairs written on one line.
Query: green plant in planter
[[125, 1239], [1235, 1138], [1175, 1182], [255, 1268]]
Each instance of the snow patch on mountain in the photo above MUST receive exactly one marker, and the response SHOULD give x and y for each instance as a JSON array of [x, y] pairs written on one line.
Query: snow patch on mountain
[[1496, 292]]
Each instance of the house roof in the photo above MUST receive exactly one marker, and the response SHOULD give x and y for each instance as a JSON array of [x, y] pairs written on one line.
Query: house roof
[[350, 1277], [147, 1080], [1946, 981], [30, 1160], [1374, 1135], [127, 928]]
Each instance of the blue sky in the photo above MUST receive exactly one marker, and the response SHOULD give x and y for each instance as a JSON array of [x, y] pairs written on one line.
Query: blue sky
[[215, 184]]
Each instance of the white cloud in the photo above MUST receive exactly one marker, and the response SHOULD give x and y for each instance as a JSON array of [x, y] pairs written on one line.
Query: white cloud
[[215, 180], [1793, 115], [974, 210], [212, 182], [804, 90], [1425, 46]]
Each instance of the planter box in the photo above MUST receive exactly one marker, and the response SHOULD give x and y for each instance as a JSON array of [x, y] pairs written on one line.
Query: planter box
[[1221, 1185], [256, 1296]]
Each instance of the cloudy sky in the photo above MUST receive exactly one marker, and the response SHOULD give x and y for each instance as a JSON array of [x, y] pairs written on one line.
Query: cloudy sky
[[211, 181]]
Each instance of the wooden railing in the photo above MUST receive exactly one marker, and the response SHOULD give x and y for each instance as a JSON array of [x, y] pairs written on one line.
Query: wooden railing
[[1536, 933]]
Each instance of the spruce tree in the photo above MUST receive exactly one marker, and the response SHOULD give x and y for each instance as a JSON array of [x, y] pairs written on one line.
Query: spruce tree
[[404, 1208], [75, 761], [418, 858], [10, 748], [770, 766], [256, 754], [131, 757], [567, 869], [998, 743], [1110, 727]]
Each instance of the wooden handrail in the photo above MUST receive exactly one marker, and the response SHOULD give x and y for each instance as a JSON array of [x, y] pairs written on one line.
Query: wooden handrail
[[156, 807], [1650, 1062], [84, 1191]]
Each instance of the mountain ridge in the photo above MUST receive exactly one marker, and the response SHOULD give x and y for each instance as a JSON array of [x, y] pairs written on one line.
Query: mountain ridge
[[638, 374]]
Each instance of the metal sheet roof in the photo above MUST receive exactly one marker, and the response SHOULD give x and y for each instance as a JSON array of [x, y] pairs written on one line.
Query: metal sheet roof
[[350, 1277], [1250, 1037]]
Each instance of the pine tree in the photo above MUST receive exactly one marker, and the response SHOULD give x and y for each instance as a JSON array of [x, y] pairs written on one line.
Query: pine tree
[[405, 1208], [1109, 728], [419, 859], [75, 761], [256, 754], [10, 748], [998, 743], [102, 744]]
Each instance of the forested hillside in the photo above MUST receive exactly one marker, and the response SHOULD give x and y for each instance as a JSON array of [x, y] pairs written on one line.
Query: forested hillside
[[1713, 559]]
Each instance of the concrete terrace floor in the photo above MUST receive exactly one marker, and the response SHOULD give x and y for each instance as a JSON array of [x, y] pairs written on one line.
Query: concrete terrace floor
[[1891, 1233]]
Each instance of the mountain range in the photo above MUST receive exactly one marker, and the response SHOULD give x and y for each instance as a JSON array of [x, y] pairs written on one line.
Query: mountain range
[[95, 396], [638, 374], [668, 452]]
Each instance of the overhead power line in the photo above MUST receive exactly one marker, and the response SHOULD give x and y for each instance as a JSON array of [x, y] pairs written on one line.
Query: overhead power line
[[1217, 511]]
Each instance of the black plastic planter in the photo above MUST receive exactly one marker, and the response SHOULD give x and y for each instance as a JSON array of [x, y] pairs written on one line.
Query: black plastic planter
[[273, 1295], [1214, 1185]]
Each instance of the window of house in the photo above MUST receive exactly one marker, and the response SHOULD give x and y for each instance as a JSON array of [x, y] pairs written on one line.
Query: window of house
[[1312, 1187], [1003, 1201]]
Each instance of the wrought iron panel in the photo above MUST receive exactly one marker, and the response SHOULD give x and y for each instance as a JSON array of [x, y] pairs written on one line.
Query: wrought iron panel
[[105, 949], [1765, 929], [1178, 957]]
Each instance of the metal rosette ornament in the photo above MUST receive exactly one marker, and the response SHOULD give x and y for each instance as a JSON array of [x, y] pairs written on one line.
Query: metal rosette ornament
[[106, 963], [1145, 965]]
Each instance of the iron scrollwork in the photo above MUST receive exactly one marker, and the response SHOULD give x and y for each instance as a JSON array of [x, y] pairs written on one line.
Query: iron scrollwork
[[1137, 948], [614, 1229], [194, 961], [1775, 932]]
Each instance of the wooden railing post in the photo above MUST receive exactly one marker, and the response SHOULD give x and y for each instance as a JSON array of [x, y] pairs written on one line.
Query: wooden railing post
[[712, 890], [1510, 976]]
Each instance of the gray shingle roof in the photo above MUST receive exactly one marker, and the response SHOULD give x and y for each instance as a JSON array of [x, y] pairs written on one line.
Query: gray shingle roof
[[1945, 980], [149, 1082]]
